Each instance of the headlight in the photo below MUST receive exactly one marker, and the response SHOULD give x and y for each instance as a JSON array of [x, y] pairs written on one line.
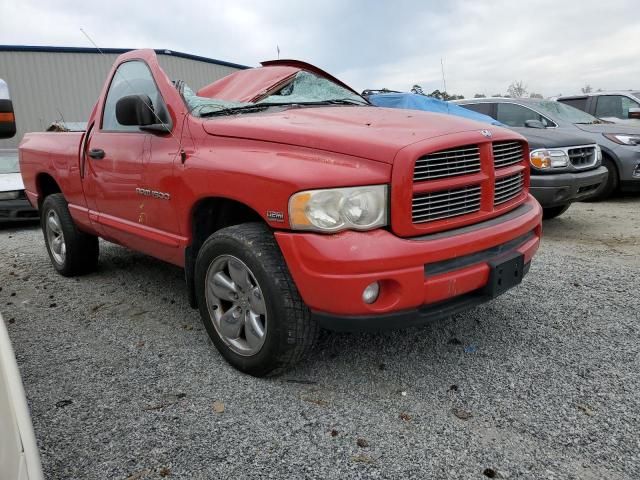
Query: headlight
[[335, 209], [623, 138], [540, 159], [9, 195], [543, 159]]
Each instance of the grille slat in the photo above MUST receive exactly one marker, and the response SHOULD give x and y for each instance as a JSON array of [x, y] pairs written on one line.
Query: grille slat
[[450, 203], [447, 163], [507, 153], [507, 188], [445, 206], [437, 200]]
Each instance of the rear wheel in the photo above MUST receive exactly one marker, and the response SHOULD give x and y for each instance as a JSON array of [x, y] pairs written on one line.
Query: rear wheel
[[553, 212], [248, 302], [611, 185], [71, 251]]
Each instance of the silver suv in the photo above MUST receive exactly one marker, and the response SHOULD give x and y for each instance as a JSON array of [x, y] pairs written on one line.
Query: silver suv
[[617, 107]]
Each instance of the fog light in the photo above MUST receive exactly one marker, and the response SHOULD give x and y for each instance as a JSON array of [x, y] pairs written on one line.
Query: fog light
[[370, 294], [636, 172]]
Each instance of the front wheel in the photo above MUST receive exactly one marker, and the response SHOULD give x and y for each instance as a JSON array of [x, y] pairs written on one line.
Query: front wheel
[[553, 212], [610, 186], [248, 302]]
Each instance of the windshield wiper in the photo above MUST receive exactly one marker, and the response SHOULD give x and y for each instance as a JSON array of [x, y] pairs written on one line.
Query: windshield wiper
[[258, 107], [336, 101]]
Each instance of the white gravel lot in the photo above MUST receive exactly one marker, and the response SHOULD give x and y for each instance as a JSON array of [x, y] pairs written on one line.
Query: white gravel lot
[[542, 382]]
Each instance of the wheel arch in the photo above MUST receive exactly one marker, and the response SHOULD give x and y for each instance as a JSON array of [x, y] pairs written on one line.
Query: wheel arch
[[46, 185], [207, 216]]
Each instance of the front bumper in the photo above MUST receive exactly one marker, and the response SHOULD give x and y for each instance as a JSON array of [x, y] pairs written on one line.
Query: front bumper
[[562, 188], [415, 274], [19, 209], [628, 167]]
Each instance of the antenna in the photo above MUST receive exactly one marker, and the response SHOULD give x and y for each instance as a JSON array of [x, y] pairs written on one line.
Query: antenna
[[182, 152], [278, 49], [444, 81]]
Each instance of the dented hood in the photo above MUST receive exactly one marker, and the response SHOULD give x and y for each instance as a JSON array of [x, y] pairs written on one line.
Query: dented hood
[[252, 84], [367, 132]]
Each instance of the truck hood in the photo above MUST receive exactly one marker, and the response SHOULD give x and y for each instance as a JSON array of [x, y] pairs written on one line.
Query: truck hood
[[368, 132], [547, 138], [10, 182]]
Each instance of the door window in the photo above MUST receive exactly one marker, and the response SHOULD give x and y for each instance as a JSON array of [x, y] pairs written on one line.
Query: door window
[[484, 108], [516, 115], [615, 106], [131, 78], [579, 103]]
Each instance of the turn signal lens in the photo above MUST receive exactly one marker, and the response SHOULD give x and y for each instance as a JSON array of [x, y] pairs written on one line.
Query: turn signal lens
[[540, 159]]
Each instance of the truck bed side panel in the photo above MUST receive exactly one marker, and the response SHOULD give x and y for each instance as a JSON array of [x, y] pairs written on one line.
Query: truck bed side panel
[[56, 155]]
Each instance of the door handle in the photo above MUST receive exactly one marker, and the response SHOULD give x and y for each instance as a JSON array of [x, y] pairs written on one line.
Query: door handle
[[96, 153]]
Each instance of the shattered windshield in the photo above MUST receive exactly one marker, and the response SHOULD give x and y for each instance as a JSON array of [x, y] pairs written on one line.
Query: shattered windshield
[[202, 106], [305, 88]]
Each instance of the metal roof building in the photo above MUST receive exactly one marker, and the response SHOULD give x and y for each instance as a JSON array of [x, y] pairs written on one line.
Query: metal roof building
[[49, 84]]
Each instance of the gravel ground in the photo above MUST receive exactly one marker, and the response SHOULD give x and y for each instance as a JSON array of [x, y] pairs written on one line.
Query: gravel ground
[[543, 382]]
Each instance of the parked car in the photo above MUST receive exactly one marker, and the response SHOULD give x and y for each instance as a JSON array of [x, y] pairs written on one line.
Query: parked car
[[19, 455], [13, 201], [620, 144], [617, 107], [564, 168], [290, 201]]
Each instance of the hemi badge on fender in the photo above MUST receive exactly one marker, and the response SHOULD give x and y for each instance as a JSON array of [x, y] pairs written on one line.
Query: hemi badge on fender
[[275, 216]]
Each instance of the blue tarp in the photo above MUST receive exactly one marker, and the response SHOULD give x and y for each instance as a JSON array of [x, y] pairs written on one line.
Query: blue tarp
[[413, 101]]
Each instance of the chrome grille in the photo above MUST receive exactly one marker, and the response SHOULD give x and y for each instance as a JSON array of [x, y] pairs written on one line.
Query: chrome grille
[[582, 157], [506, 153], [445, 204], [448, 163], [508, 188]]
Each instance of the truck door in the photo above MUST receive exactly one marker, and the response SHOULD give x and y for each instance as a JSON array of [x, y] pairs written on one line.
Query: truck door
[[130, 210]]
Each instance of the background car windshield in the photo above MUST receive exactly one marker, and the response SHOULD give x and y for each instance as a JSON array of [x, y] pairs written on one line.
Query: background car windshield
[[9, 162], [562, 112], [307, 87]]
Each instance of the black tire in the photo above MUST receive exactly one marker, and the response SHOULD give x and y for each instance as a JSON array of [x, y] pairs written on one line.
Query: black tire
[[611, 185], [290, 330], [553, 212], [81, 249]]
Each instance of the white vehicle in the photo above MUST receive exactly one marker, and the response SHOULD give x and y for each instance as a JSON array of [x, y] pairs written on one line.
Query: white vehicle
[[13, 201], [19, 456]]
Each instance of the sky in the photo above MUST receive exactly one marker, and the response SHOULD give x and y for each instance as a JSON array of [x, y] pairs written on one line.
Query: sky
[[554, 47]]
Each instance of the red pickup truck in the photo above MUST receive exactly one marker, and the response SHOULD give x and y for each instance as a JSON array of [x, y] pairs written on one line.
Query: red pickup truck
[[289, 200]]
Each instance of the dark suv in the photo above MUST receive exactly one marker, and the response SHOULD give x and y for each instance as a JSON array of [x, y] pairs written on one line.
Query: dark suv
[[620, 144]]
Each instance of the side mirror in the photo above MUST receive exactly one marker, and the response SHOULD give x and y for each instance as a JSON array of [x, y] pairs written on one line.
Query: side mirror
[[7, 118], [634, 113], [534, 124], [135, 110]]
